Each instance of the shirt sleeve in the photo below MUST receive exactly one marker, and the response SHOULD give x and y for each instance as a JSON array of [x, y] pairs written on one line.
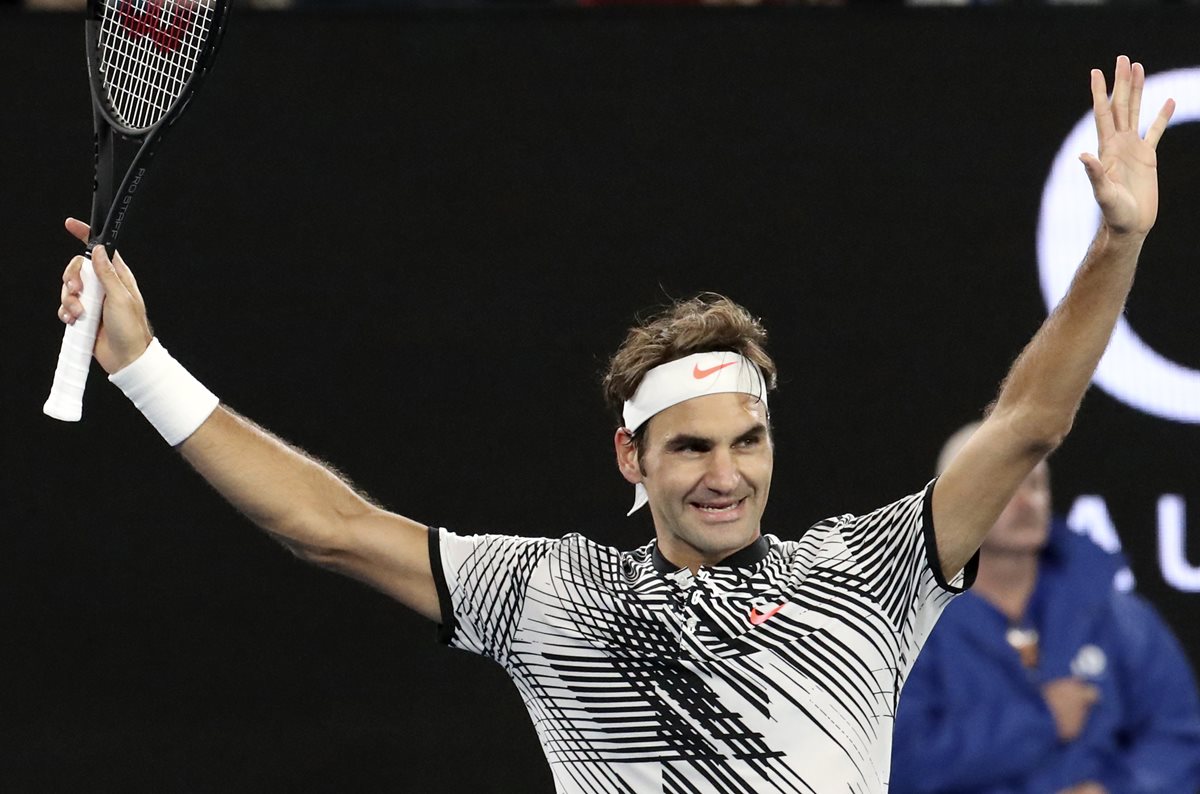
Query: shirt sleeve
[[482, 582], [897, 542], [896, 550]]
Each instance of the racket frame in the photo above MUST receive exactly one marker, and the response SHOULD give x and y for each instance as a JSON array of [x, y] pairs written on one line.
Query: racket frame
[[109, 207]]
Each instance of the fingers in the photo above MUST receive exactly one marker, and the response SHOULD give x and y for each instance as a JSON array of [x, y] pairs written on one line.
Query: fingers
[[107, 273], [1095, 172], [126, 276], [1123, 113], [1159, 125], [118, 280], [69, 311], [1122, 80], [78, 229], [1135, 96], [70, 307], [71, 274], [1101, 107]]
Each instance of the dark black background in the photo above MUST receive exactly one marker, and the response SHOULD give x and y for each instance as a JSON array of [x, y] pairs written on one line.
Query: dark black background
[[407, 242]]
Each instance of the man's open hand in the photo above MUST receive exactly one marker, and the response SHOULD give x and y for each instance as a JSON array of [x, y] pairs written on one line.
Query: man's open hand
[[1125, 176]]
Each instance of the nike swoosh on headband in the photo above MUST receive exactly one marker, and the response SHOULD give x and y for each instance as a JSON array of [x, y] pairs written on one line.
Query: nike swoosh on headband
[[699, 374]]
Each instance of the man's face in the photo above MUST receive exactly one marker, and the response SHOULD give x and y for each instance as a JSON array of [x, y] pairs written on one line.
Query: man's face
[[1024, 525], [706, 466]]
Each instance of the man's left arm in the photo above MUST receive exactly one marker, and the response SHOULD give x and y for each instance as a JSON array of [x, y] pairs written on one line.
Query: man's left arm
[[1043, 389]]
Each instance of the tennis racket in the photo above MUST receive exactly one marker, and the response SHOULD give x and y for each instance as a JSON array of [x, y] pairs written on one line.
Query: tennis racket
[[145, 60]]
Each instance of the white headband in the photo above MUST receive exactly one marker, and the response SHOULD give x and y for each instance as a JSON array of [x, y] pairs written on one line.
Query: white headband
[[683, 379]]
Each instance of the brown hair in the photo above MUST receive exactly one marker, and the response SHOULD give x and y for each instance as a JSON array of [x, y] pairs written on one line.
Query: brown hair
[[701, 324]]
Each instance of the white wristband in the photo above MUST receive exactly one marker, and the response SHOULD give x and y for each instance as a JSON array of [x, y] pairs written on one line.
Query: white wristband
[[166, 393]]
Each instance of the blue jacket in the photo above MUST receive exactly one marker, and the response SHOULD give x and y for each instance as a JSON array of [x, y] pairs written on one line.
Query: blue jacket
[[972, 719]]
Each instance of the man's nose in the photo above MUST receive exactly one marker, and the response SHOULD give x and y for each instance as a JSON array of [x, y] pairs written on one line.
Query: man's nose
[[722, 474]]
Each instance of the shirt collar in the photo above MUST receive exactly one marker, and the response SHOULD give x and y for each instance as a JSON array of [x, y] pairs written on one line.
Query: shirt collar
[[743, 558]]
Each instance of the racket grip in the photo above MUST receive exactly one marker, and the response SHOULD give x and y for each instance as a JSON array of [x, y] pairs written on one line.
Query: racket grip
[[75, 357]]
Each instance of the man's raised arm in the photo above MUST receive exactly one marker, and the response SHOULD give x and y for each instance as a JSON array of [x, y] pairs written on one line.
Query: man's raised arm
[[293, 497], [1042, 392]]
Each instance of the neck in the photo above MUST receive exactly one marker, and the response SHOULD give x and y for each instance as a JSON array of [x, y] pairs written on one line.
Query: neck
[[675, 555], [1006, 580]]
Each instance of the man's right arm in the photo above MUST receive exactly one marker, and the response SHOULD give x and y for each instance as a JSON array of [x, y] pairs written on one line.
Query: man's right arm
[[290, 495], [312, 511]]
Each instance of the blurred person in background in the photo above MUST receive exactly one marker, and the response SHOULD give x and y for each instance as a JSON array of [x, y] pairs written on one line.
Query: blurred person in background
[[1044, 678]]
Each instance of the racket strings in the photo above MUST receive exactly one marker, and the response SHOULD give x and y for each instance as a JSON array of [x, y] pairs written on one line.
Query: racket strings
[[148, 49]]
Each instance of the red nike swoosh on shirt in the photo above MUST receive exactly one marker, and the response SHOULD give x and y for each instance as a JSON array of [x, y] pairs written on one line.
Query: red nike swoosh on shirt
[[757, 617], [698, 373]]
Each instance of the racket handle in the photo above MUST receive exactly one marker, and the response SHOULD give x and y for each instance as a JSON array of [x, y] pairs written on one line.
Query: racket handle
[[75, 357]]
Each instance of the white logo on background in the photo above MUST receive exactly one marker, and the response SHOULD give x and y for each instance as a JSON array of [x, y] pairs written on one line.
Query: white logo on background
[[1130, 370]]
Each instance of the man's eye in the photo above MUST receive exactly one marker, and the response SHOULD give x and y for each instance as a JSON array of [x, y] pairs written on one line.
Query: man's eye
[[691, 448]]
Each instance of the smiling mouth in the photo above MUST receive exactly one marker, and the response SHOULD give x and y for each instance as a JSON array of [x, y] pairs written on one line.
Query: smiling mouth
[[719, 509]]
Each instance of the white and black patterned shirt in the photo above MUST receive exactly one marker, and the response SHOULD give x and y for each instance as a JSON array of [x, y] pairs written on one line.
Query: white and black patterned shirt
[[777, 670]]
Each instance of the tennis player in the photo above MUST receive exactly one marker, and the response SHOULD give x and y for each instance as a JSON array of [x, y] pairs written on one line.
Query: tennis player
[[714, 658]]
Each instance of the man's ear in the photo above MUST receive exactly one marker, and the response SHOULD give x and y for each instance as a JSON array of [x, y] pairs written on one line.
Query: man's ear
[[627, 455]]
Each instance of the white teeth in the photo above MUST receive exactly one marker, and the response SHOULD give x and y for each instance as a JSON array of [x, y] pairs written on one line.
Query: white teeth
[[712, 509]]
